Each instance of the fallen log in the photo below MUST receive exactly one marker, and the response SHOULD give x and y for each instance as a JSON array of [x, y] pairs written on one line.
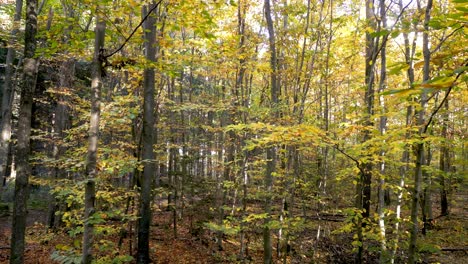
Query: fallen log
[[454, 249]]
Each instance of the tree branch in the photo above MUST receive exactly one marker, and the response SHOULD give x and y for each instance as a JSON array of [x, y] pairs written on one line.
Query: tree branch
[[358, 164], [134, 30], [445, 38], [443, 100]]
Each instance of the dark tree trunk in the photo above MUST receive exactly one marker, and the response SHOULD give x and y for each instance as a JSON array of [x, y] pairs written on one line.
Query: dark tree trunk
[[7, 99], [444, 163], [147, 139], [23, 169], [363, 188]]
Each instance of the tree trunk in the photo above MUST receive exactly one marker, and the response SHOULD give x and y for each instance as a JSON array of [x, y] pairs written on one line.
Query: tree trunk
[[364, 183], [444, 163], [271, 151], [7, 97], [23, 169], [409, 55], [93, 136], [419, 148], [147, 139], [382, 130]]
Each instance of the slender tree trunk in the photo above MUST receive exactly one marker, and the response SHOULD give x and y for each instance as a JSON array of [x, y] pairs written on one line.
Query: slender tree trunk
[[7, 97], [271, 151], [23, 169], [427, 199], [419, 148], [382, 130], [147, 139], [93, 137], [409, 54], [444, 163], [364, 183]]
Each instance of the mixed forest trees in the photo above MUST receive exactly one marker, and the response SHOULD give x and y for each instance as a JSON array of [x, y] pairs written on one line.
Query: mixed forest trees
[[271, 129]]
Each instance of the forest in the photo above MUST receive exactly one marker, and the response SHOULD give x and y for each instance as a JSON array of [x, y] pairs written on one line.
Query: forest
[[233, 131]]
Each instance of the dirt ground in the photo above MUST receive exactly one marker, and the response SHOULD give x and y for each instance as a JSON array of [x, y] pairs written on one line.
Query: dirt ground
[[449, 234]]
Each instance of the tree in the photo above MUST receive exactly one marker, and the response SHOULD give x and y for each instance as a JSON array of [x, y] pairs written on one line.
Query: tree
[[23, 169], [270, 152], [7, 97], [93, 137], [419, 147], [148, 135]]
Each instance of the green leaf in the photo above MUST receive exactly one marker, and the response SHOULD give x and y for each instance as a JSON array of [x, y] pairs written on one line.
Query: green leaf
[[460, 70], [397, 68], [379, 33], [463, 9]]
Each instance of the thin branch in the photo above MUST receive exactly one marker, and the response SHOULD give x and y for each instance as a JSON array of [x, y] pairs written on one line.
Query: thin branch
[[445, 38], [443, 100], [39, 10], [134, 30], [358, 165], [385, 37]]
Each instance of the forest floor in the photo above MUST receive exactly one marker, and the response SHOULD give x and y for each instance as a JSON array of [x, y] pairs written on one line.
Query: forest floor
[[449, 235]]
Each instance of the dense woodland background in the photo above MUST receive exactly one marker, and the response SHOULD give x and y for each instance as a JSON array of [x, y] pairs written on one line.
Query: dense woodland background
[[240, 131]]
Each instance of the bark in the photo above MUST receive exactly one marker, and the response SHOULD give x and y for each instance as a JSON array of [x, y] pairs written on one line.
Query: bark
[[382, 130], [93, 136], [364, 184], [7, 97], [444, 163], [271, 151], [409, 52], [419, 147], [147, 139], [23, 169]]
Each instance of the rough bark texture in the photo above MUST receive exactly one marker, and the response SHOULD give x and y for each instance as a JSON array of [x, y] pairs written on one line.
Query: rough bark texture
[[93, 136], [23, 168], [147, 140]]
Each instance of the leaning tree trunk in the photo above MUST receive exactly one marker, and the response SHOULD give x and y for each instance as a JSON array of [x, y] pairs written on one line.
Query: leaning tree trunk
[[147, 139], [91, 159], [8, 95], [23, 169]]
